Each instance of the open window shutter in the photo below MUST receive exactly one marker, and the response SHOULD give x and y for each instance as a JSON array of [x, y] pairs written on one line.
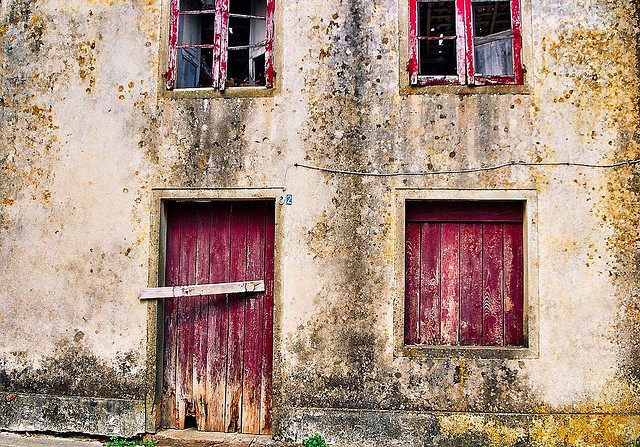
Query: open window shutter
[[413, 42], [268, 56], [173, 40], [220, 43]]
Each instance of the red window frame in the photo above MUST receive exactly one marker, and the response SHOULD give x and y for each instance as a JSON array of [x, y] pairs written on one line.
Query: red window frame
[[465, 54], [464, 273], [220, 43]]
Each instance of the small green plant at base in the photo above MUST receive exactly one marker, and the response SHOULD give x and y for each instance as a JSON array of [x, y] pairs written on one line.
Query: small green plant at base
[[115, 441], [314, 441]]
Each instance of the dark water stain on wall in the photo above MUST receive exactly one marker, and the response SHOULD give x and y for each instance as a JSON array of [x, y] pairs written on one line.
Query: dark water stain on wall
[[207, 144], [73, 370]]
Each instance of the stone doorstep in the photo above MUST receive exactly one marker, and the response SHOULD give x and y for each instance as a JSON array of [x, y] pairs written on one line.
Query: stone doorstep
[[193, 438]]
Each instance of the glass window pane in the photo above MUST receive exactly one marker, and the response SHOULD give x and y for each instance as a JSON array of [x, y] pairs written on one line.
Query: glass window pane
[[246, 65], [436, 19], [197, 5], [240, 6], [490, 18], [494, 57], [437, 57], [194, 67], [195, 29], [493, 38]]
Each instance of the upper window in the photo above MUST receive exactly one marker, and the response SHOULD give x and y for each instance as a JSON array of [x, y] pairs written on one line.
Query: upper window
[[464, 42], [220, 43], [464, 273]]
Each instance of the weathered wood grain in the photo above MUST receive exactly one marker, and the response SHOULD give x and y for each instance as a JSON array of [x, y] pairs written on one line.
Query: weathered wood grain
[[412, 284], [470, 284], [235, 351], [465, 211], [267, 326], [200, 322], [219, 265], [223, 288], [186, 314], [450, 299], [513, 285], [172, 272], [492, 309], [430, 284], [253, 323]]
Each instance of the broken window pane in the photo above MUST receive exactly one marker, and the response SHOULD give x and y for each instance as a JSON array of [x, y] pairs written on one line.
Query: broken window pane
[[493, 38], [197, 5], [247, 37], [436, 19], [194, 67], [438, 57], [195, 27], [436, 34]]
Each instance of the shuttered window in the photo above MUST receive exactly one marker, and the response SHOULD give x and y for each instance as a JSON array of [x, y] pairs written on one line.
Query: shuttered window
[[464, 273]]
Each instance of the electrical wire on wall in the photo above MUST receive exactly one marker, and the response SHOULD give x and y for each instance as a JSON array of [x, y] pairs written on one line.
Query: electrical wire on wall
[[460, 171]]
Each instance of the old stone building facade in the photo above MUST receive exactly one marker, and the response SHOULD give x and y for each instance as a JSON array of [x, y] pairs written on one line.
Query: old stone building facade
[[437, 203]]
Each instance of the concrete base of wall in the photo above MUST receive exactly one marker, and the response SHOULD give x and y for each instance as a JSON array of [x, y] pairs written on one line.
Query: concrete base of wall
[[450, 429], [96, 416]]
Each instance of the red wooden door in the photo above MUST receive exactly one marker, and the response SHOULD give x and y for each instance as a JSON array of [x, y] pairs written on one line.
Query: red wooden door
[[218, 349]]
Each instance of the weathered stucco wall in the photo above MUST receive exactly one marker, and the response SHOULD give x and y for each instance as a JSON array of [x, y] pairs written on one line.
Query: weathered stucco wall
[[86, 135]]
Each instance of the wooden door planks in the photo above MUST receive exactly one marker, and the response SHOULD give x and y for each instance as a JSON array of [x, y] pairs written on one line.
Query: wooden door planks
[[235, 351], [170, 320], [218, 318], [186, 316], [253, 326], [267, 329], [218, 349], [200, 323]]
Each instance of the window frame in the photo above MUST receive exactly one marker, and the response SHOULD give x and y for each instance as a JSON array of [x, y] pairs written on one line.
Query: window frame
[[220, 48], [465, 54], [530, 274]]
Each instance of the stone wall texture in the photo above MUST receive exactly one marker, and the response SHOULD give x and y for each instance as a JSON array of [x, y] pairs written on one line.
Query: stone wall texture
[[87, 131]]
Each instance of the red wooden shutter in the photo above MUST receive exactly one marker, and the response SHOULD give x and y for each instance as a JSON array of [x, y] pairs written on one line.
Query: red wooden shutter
[[464, 273]]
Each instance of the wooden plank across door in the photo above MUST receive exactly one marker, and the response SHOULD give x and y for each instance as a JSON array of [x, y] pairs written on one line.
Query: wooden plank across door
[[218, 348]]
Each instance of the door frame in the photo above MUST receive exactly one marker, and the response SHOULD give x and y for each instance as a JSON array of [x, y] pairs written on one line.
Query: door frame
[[157, 260]]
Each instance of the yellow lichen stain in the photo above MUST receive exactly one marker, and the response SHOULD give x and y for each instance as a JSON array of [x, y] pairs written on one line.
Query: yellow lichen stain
[[462, 373], [544, 430], [584, 49], [8, 201], [86, 62], [462, 425], [583, 430]]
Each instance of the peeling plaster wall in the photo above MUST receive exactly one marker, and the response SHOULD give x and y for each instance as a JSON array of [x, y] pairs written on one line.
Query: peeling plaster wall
[[86, 135]]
